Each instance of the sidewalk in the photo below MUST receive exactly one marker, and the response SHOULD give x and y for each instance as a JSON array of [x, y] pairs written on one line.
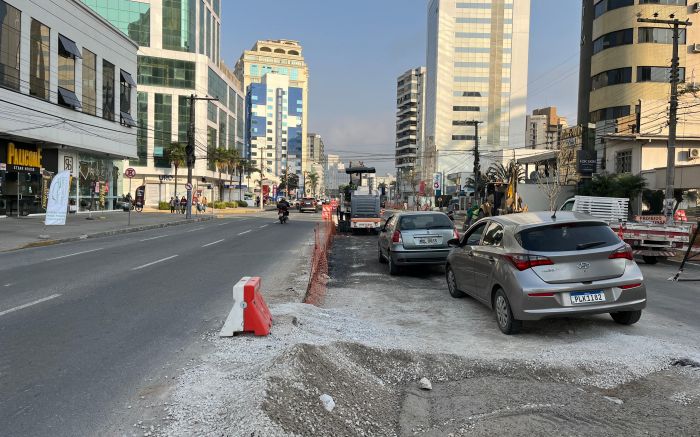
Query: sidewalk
[[217, 212], [17, 233]]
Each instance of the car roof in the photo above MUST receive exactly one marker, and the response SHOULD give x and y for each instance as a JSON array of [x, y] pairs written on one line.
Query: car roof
[[528, 219], [408, 213]]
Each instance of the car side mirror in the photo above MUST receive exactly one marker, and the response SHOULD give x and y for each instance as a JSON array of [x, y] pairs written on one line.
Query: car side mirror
[[454, 242]]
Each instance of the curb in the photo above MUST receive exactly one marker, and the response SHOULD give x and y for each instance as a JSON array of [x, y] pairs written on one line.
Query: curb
[[109, 233]]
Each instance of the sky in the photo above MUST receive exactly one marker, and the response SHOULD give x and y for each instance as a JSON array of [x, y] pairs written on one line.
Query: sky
[[355, 51]]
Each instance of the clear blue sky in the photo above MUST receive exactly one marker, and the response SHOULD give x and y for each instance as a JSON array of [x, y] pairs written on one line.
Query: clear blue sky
[[355, 50]]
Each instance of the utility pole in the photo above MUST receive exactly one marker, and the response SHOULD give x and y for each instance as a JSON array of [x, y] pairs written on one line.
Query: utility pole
[[673, 111], [189, 150], [477, 165]]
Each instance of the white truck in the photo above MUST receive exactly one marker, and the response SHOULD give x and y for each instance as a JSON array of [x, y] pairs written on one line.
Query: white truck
[[651, 241]]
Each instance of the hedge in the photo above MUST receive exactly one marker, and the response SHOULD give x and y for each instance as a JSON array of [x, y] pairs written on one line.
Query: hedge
[[164, 206]]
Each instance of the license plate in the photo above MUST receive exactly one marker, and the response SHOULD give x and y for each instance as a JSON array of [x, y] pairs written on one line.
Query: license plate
[[428, 241], [580, 297]]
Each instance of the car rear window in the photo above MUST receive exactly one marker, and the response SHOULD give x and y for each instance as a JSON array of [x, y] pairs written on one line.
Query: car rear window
[[425, 221], [567, 237]]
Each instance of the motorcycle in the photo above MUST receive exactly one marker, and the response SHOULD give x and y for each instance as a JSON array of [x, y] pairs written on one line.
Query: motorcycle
[[283, 216]]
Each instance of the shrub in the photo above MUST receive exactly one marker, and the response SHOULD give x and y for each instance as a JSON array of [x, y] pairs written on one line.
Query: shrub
[[164, 206], [242, 203], [219, 205], [233, 204]]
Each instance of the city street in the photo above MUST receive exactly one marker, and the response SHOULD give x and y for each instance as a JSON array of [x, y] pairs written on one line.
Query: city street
[[90, 330]]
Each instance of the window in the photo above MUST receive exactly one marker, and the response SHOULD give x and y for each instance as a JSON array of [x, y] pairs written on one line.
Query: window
[[608, 5], [170, 73], [223, 118], [658, 74], [463, 137], [664, 2], [466, 108], [611, 77], [89, 82], [107, 90], [211, 112], [425, 221], [467, 94], [612, 39], [201, 27], [9, 46], [126, 82], [179, 25], [493, 235], [623, 162], [39, 60], [142, 130], [659, 35], [473, 238], [609, 113], [183, 118], [568, 237], [162, 128], [211, 146], [133, 18]]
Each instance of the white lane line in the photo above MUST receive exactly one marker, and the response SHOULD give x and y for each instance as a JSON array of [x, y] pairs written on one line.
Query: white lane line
[[263, 226], [8, 284], [26, 305], [74, 254], [154, 262], [154, 238], [224, 223], [245, 232], [213, 243], [196, 229]]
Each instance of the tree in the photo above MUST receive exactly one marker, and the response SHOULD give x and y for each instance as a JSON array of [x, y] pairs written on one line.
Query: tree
[[551, 180], [249, 169], [233, 159], [290, 181], [504, 173], [178, 156], [615, 185], [220, 158], [312, 181]]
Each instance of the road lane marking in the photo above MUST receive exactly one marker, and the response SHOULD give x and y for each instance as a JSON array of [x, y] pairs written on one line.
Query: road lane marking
[[245, 232], [8, 284], [154, 262], [215, 242], [224, 223], [196, 229], [74, 254], [154, 238], [263, 226], [26, 305]]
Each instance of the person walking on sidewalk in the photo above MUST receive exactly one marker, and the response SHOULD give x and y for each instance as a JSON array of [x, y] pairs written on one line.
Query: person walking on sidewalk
[[173, 204], [183, 204]]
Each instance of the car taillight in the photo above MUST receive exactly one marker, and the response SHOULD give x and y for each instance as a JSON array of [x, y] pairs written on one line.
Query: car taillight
[[628, 286], [540, 294], [396, 238], [524, 262], [624, 252]]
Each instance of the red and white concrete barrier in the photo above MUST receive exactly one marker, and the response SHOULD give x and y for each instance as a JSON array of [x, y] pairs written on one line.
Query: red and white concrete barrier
[[249, 312]]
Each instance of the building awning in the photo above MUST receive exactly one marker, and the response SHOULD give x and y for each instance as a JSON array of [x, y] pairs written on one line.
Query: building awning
[[68, 47], [126, 77], [68, 98], [546, 156], [127, 119]]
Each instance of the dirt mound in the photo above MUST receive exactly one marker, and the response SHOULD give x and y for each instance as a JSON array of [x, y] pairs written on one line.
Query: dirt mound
[[376, 393]]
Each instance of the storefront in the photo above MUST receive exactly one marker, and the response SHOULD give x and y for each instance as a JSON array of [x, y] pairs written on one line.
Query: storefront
[[94, 180], [24, 181]]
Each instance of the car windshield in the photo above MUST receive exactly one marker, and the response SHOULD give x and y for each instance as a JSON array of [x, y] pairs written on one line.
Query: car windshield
[[425, 221], [567, 237]]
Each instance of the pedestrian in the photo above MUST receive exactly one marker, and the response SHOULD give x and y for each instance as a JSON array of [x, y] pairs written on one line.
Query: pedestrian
[[204, 203], [172, 205], [257, 201], [183, 204]]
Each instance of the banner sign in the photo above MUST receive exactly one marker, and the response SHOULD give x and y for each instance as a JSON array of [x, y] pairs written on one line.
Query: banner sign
[[57, 205], [140, 197]]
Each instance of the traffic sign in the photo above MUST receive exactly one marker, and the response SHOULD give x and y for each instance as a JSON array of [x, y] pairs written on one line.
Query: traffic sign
[[188, 186], [129, 172], [436, 186]]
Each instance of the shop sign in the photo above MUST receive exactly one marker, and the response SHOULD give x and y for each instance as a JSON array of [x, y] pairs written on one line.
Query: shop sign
[[21, 159], [45, 184], [587, 160], [140, 198]]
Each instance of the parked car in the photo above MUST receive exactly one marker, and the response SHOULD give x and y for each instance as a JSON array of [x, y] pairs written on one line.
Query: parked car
[[412, 238], [531, 266], [308, 204]]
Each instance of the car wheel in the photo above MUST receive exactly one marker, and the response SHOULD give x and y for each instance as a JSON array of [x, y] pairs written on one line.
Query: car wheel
[[393, 268], [452, 283], [651, 260], [504, 315], [627, 317], [382, 260]]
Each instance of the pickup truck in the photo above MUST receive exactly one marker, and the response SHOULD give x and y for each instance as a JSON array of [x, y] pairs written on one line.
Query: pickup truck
[[651, 241]]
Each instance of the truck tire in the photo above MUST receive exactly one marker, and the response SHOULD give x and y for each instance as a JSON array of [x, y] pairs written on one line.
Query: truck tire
[[651, 260], [627, 317]]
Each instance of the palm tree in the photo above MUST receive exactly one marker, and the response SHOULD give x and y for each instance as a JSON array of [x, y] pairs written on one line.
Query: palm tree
[[220, 158], [178, 156], [312, 180], [233, 159]]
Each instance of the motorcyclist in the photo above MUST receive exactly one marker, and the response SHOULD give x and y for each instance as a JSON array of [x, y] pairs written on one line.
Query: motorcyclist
[[283, 206]]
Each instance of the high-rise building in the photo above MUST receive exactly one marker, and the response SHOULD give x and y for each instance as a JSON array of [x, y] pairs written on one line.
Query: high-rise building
[[410, 118], [477, 58], [623, 61], [335, 175], [275, 79], [317, 157], [544, 128], [179, 55]]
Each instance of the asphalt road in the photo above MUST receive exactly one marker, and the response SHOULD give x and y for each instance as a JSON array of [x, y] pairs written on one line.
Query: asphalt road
[[674, 300], [86, 326]]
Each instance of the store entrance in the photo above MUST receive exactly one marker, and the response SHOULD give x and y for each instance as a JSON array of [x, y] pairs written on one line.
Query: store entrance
[[21, 194]]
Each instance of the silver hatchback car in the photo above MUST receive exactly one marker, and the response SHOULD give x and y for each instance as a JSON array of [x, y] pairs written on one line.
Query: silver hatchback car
[[532, 266], [411, 238]]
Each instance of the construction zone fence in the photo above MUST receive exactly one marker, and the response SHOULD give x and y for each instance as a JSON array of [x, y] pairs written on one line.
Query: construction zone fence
[[318, 273]]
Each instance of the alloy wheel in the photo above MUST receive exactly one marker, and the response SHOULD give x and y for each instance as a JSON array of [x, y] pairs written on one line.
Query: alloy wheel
[[502, 311]]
